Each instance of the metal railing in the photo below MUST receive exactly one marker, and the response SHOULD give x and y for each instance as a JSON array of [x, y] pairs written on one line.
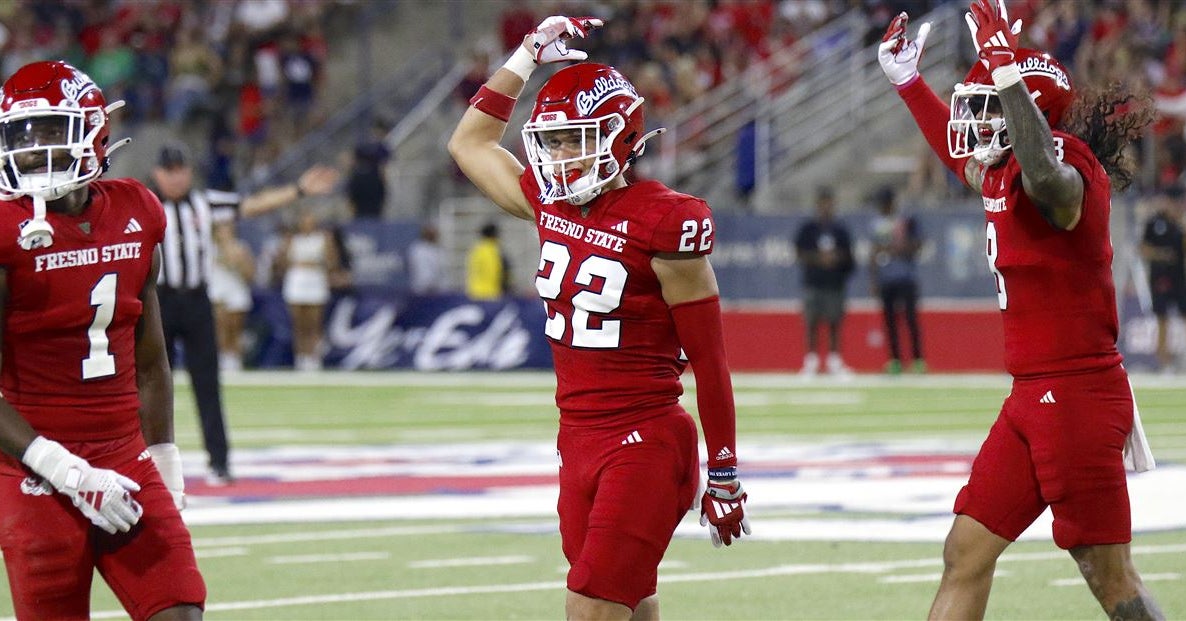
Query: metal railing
[[399, 94], [804, 111]]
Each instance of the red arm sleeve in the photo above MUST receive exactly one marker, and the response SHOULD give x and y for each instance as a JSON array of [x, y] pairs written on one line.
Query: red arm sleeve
[[699, 328], [931, 115]]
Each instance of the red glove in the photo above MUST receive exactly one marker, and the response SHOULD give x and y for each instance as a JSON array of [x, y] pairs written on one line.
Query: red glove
[[722, 509], [995, 38]]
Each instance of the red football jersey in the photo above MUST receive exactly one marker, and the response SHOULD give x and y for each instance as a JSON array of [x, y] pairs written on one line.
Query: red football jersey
[[614, 345], [1054, 287], [70, 328]]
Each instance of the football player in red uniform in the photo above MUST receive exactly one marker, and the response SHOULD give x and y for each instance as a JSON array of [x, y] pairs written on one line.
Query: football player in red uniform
[[625, 278], [1062, 433], [89, 476]]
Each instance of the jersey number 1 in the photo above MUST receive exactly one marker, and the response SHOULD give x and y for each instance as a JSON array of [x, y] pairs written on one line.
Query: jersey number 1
[[99, 362]]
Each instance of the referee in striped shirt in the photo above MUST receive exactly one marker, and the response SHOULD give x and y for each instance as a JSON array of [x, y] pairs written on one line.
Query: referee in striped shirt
[[187, 255]]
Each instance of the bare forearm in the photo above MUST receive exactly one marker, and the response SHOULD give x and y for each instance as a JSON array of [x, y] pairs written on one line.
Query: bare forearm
[[156, 405], [269, 200], [15, 432], [1055, 187], [1032, 141]]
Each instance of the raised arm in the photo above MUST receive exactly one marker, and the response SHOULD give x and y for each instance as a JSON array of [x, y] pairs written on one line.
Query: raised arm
[[899, 59], [1055, 187], [317, 180], [475, 143]]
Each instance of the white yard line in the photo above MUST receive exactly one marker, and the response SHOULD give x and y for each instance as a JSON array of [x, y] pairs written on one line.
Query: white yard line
[[546, 380], [778, 570], [324, 535], [477, 561], [222, 552], [302, 559], [1062, 582]]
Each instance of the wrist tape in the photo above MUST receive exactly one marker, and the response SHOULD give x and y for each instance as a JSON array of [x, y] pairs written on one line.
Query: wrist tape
[[521, 63], [1006, 75]]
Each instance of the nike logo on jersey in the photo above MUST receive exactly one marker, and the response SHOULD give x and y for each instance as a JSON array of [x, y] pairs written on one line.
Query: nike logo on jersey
[[132, 227], [632, 438], [1048, 397]]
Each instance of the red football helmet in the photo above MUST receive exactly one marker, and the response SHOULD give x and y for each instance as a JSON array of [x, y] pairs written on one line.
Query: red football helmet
[[976, 127], [53, 131], [585, 130]]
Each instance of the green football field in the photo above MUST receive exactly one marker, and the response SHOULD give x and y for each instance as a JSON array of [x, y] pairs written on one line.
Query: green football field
[[895, 446]]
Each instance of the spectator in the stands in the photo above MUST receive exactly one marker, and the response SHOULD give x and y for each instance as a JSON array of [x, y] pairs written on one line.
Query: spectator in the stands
[[366, 187]]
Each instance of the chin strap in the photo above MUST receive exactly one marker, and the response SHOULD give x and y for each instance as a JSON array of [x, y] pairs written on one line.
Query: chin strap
[[37, 232]]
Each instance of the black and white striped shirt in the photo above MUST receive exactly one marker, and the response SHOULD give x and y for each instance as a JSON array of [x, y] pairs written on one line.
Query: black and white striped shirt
[[187, 254]]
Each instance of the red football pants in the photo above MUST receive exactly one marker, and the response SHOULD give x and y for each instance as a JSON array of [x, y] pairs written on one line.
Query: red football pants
[[1058, 442], [622, 493], [51, 551]]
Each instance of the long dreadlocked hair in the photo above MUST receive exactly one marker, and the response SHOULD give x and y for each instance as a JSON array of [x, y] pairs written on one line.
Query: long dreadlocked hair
[[1109, 119]]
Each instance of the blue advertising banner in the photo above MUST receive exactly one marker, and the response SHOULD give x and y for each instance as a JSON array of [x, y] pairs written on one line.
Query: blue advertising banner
[[378, 328]]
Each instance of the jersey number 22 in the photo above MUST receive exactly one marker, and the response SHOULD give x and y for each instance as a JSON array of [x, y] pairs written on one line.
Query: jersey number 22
[[585, 304]]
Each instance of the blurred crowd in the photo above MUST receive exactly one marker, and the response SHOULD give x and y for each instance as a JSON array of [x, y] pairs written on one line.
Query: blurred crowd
[[251, 72], [676, 51], [1138, 43]]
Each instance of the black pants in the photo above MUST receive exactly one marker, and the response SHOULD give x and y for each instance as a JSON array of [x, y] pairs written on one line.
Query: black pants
[[188, 316], [904, 294]]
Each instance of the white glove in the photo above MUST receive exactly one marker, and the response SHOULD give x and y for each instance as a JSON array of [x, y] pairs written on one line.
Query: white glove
[[167, 460], [103, 496], [898, 56], [547, 42]]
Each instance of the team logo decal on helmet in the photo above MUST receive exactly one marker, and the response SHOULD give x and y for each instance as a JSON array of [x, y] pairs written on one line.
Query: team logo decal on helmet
[[976, 127], [1044, 66], [74, 88], [603, 89]]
